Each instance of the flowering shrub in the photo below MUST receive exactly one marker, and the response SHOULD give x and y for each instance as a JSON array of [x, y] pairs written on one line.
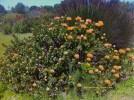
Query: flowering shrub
[[61, 56]]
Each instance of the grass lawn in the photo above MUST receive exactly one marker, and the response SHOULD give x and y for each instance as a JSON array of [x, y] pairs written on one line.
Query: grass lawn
[[124, 90], [7, 39]]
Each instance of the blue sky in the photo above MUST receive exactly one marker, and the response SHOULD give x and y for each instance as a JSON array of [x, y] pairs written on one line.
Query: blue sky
[[10, 3]]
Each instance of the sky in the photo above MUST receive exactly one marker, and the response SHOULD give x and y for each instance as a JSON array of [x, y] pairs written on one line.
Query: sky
[[9, 3]]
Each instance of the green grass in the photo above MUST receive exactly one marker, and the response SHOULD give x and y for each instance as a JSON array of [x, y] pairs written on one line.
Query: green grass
[[7, 40], [124, 90]]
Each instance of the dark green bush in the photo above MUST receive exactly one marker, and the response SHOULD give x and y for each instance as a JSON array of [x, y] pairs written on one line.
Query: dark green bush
[[18, 28], [118, 26], [7, 28], [29, 24]]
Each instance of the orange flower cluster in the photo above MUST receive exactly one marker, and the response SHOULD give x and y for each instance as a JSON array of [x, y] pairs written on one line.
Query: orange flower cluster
[[78, 18], [70, 28], [89, 31], [69, 19], [64, 24], [57, 18], [99, 24]]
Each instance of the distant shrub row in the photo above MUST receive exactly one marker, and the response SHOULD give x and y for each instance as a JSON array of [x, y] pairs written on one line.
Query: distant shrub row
[[25, 26]]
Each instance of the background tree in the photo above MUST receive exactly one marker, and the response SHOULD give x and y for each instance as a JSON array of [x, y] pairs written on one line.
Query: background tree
[[33, 8], [48, 8], [2, 9], [131, 6], [57, 10], [13, 9], [20, 8]]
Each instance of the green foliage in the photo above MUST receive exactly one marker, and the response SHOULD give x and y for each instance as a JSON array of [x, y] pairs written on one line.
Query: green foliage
[[7, 28], [18, 28], [29, 24], [8, 18], [86, 68], [51, 61]]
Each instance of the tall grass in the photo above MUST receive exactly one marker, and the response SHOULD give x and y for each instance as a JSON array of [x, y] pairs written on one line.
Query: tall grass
[[118, 25]]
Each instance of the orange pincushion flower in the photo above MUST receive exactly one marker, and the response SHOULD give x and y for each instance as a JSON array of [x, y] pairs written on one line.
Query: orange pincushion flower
[[107, 57], [64, 24], [116, 57], [128, 49], [116, 75], [97, 93], [69, 19], [84, 38], [76, 23], [79, 63], [57, 18], [110, 45], [89, 55], [99, 24], [62, 17], [70, 28], [121, 51], [47, 89], [88, 59], [132, 58], [78, 18], [34, 84], [116, 67], [96, 70], [83, 26], [79, 85], [101, 67], [87, 64], [113, 71], [62, 46], [69, 37], [107, 82], [76, 56], [115, 51], [52, 71], [78, 37], [86, 23], [65, 53], [82, 21], [89, 31], [131, 55], [88, 20], [91, 72], [15, 55], [107, 45]]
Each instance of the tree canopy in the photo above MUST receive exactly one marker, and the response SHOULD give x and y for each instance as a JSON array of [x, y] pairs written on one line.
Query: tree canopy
[[20, 8], [2, 9]]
